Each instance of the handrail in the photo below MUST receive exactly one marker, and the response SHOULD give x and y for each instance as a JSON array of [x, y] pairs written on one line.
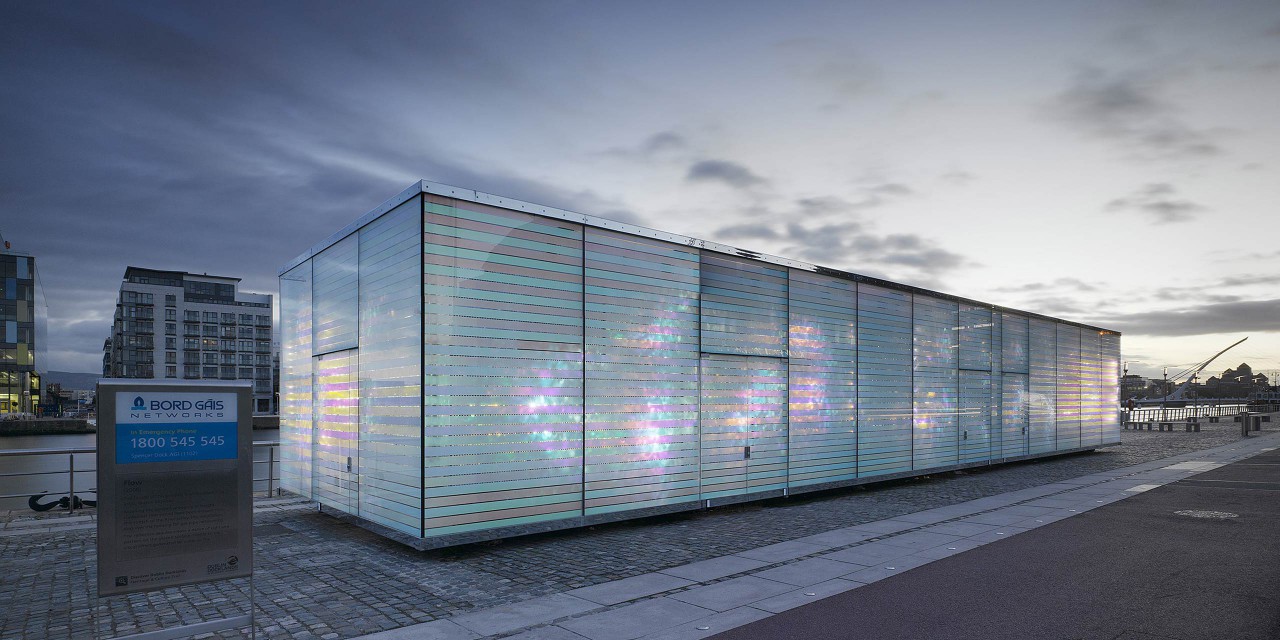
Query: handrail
[[70, 452]]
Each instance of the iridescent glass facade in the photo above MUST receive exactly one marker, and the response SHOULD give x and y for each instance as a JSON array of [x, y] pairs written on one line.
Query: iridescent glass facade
[[458, 367]]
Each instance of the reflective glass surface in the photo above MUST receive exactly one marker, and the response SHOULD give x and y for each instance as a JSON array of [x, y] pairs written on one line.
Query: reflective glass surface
[[334, 297], [884, 381], [934, 437], [502, 346], [295, 380], [390, 367], [641, 413], [823, 407], [1042, 340], [1069, 375]]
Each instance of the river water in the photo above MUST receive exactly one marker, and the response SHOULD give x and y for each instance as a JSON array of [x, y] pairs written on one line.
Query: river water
[[48, 473]]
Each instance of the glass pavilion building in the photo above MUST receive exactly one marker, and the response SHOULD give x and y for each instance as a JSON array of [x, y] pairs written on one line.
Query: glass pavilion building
[[458, 366]]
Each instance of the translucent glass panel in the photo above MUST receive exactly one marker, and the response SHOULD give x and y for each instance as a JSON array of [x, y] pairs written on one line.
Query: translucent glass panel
[[1014, 415], [502, 343], [884, 381], [1068, 386], [335, 482], [334, 299], [997, 392], [744, 306], [975, 416], [1013, 343], [935, 437], [744, 425], [1042, 338], [641, 372], [1091, 409], [975, 338], [1109, 356], [823, 403], [390, 367], [295, 380]]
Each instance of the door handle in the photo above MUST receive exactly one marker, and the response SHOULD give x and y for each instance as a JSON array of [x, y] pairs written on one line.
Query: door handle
[[348, 464], [746, 452]]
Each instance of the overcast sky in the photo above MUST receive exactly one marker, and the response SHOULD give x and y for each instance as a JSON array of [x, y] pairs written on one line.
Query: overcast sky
[[1110, 162]]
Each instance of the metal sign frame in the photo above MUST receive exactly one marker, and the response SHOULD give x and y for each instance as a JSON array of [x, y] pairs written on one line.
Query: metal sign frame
[[175, 488]]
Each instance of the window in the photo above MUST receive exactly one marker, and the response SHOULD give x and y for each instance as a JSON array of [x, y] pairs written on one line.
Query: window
[[264, 405], [246, 345], [190, 329], [210, 358], [171, 315], [210, 330], [170, 300], [171, 343], [246, 318], [211, 316], [190, 343], [228, 373], [170, 328], [246, 332], [227, 345], [245, 373], [246, 358], [190, 372], [209, 372], [208, 344], [263, 373], [228, 358], [263, 334], [262, 359], [170, 372], [146, 298], [191, 316], [264, 345], [228, 318], [190, 357], [129, 296], [171, 357], [264, 321]]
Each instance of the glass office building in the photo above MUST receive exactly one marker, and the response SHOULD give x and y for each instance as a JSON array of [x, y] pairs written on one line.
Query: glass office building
[[22, 334], [458, 366]]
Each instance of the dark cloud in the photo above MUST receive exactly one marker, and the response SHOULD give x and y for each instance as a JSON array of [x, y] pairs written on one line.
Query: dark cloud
[[1241, 317], [1060, 284], [730, 173], [229, 138], [848, 245], [661, 143], [1158, 201], [958, 177], [1128, 108]]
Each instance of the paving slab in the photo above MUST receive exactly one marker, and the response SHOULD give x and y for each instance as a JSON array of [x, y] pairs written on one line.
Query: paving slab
[[783, 551], [635, 620], [707, 570], [806, 572], [630, 588], [801, 597], [869, 554], [517, 615], [732, 593], [711, 625]]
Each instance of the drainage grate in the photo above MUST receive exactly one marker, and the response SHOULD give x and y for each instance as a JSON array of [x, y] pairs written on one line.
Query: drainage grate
[[1215, 515]]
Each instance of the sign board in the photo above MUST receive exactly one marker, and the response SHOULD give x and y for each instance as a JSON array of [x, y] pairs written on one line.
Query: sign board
[[175, 482]]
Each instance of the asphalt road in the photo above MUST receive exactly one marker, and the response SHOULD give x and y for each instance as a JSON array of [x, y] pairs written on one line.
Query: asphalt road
[[1132, 570]]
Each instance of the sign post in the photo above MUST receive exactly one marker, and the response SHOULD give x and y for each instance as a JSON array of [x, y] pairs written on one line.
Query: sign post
[[175, 488]]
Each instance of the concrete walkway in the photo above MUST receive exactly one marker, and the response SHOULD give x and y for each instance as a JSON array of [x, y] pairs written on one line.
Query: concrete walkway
[[713, 596]]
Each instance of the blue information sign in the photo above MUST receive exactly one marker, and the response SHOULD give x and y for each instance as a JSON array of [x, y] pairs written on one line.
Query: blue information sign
[[175, 427]]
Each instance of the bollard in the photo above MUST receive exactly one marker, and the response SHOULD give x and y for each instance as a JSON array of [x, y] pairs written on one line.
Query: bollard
[[1243, 419]]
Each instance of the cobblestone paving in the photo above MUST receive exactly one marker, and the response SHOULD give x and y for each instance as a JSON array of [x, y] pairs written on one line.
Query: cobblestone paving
[[318, 577]]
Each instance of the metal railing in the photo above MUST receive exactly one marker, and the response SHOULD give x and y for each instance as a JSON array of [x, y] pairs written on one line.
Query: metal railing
[[1172, 414], [272, 480]]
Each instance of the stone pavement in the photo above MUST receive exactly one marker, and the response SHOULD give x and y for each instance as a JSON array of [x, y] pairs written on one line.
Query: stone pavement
[[709, 597], [318, 577]]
